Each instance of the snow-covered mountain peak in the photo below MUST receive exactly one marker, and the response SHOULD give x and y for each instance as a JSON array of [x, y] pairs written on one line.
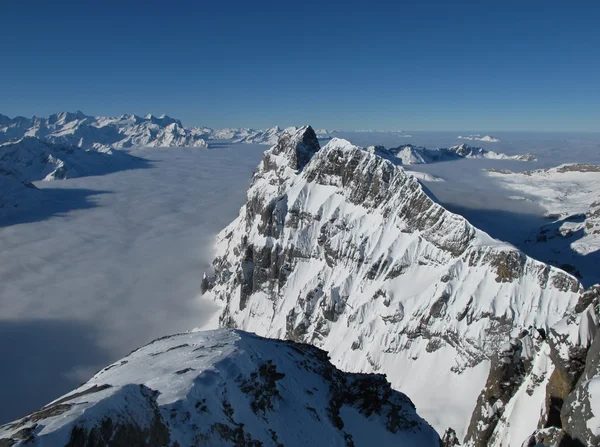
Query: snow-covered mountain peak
[[65, 117], [464, 150], [222, 388], [351, 254]]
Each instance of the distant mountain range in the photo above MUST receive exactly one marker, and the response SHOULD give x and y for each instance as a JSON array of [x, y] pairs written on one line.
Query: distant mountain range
[[127, 130], [100, 133], [412, 155]]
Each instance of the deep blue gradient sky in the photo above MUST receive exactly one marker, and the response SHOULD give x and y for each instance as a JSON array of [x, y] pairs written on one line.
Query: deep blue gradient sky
[[428, 65]]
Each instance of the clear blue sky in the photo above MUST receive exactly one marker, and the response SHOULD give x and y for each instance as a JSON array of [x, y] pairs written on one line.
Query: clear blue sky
[[423, 65]]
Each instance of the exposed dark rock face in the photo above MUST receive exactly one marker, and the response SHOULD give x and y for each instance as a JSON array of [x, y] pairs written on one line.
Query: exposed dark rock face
[[567, 416], [506, 374], [576, 409]]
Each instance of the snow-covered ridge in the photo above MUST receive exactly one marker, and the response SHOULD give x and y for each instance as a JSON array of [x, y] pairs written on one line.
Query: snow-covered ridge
[[32, 159], [478, 137], [410, 154], [222, 388], [348, 252]]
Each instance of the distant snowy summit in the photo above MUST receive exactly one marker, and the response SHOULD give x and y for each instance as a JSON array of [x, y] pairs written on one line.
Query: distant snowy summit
[[478, 137], [225, 388], [102, 133], [265, 136], [125, 131], [268, 136], [412, 155]]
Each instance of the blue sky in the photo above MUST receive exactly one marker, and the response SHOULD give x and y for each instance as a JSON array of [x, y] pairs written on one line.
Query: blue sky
[[471, 65]]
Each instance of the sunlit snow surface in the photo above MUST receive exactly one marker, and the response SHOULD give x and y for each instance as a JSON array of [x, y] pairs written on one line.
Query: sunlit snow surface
[[120, 265]]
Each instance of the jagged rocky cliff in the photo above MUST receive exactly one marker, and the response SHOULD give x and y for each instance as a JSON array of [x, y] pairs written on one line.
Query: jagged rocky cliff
[[225, 388], [339, 247]]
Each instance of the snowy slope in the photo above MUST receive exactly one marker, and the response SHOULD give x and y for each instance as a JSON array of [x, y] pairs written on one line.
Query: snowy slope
[[570, 194], [223, 388], [32, 159], [410, 154], [341, 248], [101, 133]]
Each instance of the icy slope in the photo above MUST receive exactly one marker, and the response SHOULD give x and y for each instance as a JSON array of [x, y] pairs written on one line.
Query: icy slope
[[224, 388], [102, 133], [344, 250], [410, 154]]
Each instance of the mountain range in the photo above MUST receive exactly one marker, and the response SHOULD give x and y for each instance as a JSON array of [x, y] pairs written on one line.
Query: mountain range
[[100, 133], [413, 155]]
